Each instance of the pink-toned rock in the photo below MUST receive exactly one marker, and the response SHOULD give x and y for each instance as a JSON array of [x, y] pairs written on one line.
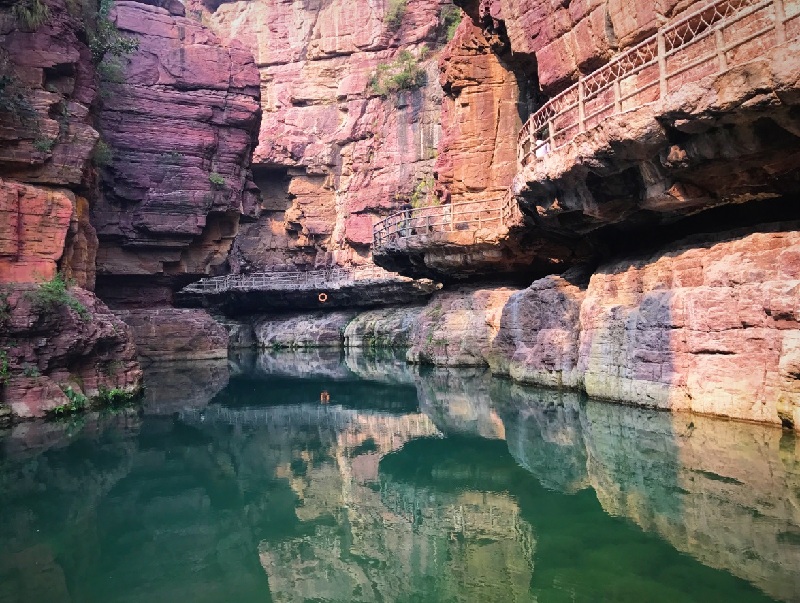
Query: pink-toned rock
[[33, 229], [458, 326], [711, 326], [539, 331], [334, 155], [48, 136], [181, 128], [51, 347], [176, 334]]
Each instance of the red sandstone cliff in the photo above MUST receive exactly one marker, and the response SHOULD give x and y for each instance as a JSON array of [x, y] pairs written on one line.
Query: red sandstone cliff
[[334, 155], [181, 124]]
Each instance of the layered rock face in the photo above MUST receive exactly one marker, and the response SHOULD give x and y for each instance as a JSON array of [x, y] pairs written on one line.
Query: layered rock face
[[334, 155], [181, 127], [176, 334], [711, 328], [47, 86], [51, 347]]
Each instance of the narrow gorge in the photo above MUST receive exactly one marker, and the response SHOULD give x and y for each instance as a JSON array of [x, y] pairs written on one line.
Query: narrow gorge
[[595, 200]]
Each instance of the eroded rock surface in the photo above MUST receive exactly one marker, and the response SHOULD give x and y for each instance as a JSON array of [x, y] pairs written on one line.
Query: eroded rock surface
[[50, 348], [710, 326], [176, 334], [333, 155], [181, 128]]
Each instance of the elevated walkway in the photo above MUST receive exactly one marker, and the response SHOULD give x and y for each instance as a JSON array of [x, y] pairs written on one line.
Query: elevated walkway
[[711, 40], [326, 289]]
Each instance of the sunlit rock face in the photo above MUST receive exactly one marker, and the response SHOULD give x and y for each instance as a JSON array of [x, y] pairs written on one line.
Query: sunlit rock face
[[333, 155], [708, 325], [181, 128]]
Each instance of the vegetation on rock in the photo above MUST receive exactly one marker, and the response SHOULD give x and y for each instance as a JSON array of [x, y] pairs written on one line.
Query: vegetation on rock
[[30, 14], [449, 19], [395, 11], [51, 295], [404, 73], [104, 37], [216, 179], [102, 154]]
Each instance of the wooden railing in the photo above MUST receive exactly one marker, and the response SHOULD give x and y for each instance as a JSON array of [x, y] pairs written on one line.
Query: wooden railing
[[286, 280], [710, 40], [450, 217]]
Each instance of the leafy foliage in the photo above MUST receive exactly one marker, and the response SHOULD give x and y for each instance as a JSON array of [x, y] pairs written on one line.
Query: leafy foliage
[[395, 12], [216, 179], [115, 397], [423, 192], [44, 145], [404, 73], [30, 14], [449, 18], [5, 373], [13, 98], [51, 295], [104, 37], [77, 401], [102, 153]]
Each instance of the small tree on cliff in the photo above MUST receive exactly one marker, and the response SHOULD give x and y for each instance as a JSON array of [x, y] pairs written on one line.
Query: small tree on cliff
[[404, 73]]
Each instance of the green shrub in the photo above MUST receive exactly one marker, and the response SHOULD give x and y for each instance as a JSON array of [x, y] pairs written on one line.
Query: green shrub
[[51, 295], [44, 145], [14, 99], [30, 371], [423, 192], [77, 401], [5, 371], [216, 179], [449, 18], [104, 37], [30, 14], [115, 397], [102, 153], [404, 73], [395, 11]]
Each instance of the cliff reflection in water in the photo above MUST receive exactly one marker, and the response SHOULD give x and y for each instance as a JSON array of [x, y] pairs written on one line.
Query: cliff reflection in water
[[397, 484]]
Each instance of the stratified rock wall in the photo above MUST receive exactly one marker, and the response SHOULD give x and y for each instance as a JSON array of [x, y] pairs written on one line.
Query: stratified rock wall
[[181, 126], [711, 326], [333, 154], [49, 348]]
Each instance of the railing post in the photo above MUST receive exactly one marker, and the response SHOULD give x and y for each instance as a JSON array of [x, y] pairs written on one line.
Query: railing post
[[551, 128], [719, 39], [662, 63], [617, 97], [581, 107], [780, 20]]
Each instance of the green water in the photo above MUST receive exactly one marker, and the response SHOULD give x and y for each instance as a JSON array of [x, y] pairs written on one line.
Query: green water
[[311, 477]]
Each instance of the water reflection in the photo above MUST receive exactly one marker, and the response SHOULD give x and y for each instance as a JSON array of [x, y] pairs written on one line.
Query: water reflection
[[402, 485]]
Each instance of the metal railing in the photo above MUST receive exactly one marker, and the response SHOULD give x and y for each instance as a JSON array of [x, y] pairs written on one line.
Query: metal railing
[[450, 217], [286, 280], [710, 40]]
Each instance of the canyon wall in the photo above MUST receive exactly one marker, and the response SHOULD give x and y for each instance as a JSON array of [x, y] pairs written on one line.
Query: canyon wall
[[337, 148], [56, 340], [180, 121]]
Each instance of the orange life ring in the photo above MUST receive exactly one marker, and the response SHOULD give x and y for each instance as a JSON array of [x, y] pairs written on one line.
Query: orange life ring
[[322, 297]]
